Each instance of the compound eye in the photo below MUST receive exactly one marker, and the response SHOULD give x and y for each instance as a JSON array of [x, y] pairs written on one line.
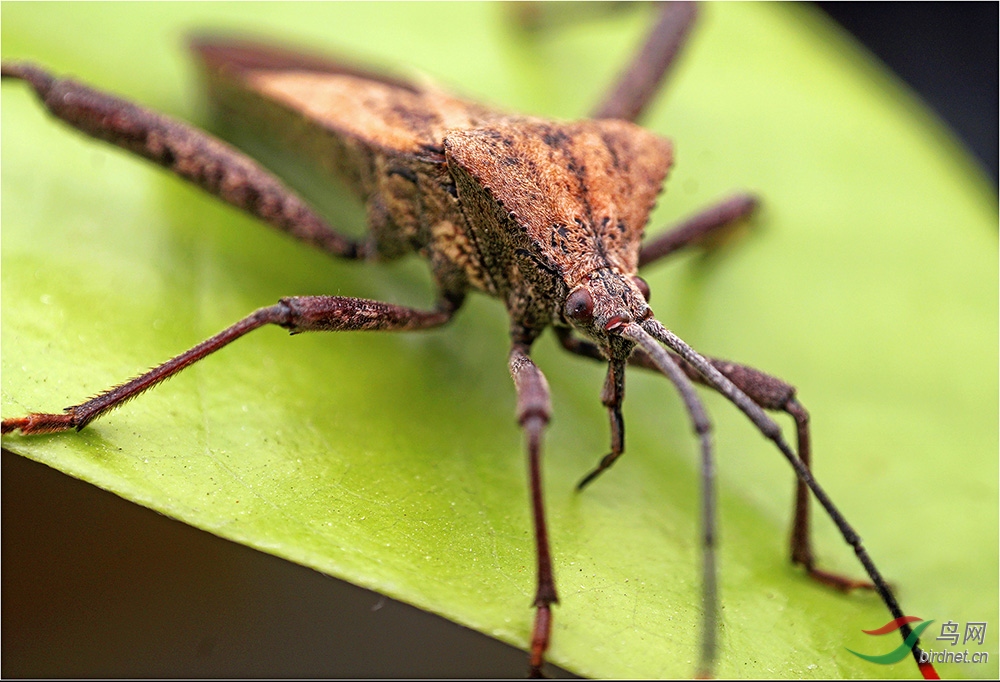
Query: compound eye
[[580, 306], [643, 286]]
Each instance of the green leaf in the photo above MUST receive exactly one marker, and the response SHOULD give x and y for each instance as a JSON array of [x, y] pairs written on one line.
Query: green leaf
[[870, 281]]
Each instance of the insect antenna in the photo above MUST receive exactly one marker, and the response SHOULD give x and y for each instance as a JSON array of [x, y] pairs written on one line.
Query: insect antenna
[[703, 428], [772, 431]]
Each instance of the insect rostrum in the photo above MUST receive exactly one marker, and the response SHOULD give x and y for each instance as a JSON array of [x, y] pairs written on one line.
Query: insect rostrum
[[546, 216]]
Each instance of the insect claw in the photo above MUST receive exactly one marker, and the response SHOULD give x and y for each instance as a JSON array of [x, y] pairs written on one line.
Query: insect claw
[[837, 581], [603, 466], [828, 578], [585, 481], [540, 640]]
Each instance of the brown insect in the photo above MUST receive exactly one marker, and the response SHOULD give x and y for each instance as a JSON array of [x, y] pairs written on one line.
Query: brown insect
[[547, 216]]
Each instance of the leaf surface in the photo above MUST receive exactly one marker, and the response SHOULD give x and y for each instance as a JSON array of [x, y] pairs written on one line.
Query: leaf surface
[[869, 281]]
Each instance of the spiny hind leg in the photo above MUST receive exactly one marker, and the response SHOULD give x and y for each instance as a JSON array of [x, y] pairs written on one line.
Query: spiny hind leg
[[186, 151], [297, 314]]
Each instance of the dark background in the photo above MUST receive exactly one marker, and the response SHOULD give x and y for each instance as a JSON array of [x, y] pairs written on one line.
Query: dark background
[[946, 51], [97, 586]]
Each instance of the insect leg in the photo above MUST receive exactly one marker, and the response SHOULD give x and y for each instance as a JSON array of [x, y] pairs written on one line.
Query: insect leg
[[612, 397], [770, 393], [191, 153], [698, 227], [774, 394], [634, 88], [772, 432], [297, 314], [533, 411]]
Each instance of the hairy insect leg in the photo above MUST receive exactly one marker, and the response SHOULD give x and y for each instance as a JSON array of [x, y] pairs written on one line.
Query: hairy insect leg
[[611, 397], [297, 314], [190, 153], [770, 393], [533, 412], [696, 229], [635, 87]]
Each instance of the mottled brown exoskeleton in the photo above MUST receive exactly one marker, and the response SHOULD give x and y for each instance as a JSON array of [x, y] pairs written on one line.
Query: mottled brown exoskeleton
[[547, 216]]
